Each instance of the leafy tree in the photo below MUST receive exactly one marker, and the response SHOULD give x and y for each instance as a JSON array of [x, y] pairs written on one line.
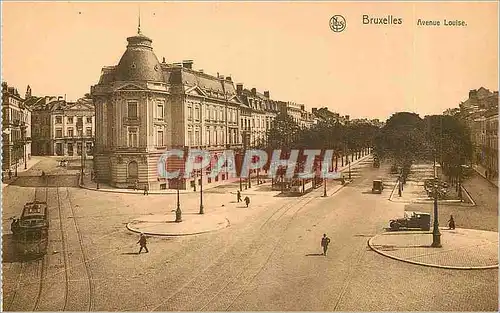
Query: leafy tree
[[284, 133]]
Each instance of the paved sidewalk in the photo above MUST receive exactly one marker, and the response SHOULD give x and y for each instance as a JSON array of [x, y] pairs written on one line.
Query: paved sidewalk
[[232, 184], [165, 225], [20, 169], [461, 248], [481, 171]]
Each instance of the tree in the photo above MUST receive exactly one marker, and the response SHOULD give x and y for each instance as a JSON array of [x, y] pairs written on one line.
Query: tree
[[284, 133], [449, 139]]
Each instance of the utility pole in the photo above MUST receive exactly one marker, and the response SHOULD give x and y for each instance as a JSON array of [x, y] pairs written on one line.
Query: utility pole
[[201, 191]]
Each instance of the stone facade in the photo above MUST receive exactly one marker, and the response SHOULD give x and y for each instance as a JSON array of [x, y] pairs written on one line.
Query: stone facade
[[16, 129]]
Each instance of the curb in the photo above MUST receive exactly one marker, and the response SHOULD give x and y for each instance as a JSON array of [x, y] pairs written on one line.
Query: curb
[[440, 202], [480, 174], [427, 264], [176, 235]]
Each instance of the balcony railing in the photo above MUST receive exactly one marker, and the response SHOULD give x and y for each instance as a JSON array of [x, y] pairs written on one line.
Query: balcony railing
[[131, 120]]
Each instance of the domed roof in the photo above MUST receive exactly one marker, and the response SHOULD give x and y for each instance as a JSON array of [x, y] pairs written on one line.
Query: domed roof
[[139, 63]]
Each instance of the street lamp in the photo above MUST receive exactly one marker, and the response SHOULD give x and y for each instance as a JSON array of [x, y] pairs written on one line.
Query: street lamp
[[23, 134], [201, 191], [349, 163], [436, 235], [324, 185], [178, 212]]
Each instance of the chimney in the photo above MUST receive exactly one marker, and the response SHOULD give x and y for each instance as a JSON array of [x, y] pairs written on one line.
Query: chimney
[[266, 94], [163, 60], [201, 71], [59, 98], [473, 94], [229, 79], [254, 91], [239, 89], [187, 64], [221, 76], [177, 64]]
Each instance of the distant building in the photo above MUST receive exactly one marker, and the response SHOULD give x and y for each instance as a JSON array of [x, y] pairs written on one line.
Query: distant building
[[16, 129], [480, 114], [62, 128]]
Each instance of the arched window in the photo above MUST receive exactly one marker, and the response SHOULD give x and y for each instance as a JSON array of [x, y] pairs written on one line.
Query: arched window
[[133, 170]]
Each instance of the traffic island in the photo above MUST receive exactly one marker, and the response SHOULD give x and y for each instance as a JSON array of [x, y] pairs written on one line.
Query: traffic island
[[165, 225], [462, 249]]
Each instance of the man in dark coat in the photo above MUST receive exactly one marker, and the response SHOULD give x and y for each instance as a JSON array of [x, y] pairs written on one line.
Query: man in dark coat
[[247, 201], [142, 241], [238, 196], [451, 222], [325, 241]]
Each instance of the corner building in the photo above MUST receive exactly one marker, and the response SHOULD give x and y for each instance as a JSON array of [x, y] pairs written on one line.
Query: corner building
[[144, 107]]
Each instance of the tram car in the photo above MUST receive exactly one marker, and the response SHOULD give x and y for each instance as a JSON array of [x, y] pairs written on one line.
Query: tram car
[[30, 231]]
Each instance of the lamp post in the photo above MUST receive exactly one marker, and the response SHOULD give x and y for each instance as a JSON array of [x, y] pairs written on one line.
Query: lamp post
[[349, 163], [324, 187], [178, 212], [436, 235], [79, 126], [23, 135], [201, 191]]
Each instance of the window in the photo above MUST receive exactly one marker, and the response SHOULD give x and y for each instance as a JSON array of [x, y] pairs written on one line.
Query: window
[[70, 149], [207, 116], [213, 114], [133, 170], [79, 122], [132, 137], [59, 133], [70, 132], [221, 115], [197, 138], [58, 119], [190, 113], [159, 138], [89, 119], [190, 138], [79, 148], [70, 119], [208, 137], [159, 111], [132, 109], [197, 113], [89, 132], [88, 146]]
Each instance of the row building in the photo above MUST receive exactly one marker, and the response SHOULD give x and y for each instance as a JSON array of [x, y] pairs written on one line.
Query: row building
[[480, 114], [144, 107]]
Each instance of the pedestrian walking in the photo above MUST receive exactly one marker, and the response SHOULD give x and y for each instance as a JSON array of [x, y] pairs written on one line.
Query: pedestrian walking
[[399, 188], [325, 241], [146, 192], [238, 196], [142, 241], [97, 185], [451, 222], [10, 173], [247, 201]]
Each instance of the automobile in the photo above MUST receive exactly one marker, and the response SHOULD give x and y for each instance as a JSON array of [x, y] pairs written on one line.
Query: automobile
[[378, 186], [412, 220]]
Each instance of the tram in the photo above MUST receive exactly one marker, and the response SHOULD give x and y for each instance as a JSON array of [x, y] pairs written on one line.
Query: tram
[[31, 230]]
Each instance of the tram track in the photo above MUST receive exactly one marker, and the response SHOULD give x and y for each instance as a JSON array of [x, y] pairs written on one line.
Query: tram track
[[26, 274], [84, 256], [256, 246], [65, 253]]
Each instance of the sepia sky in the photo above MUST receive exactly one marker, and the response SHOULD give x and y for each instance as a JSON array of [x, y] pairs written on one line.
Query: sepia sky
[[287, 48]]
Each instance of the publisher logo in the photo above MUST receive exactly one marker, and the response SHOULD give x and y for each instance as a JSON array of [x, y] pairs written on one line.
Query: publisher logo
[[337, 23]]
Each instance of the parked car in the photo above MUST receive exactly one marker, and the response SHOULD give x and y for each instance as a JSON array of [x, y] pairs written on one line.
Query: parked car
[[412, 220]]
